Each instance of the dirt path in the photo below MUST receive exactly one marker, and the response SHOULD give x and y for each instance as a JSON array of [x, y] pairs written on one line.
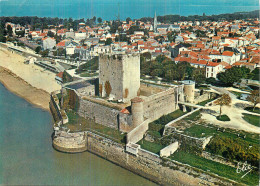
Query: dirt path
[[234, 113]]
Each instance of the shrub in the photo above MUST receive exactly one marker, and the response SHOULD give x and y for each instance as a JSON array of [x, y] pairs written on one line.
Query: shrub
[[108, 88], [223, 118]]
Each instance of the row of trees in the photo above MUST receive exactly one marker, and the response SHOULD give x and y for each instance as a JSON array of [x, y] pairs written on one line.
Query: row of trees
[[235, 149], [166, 68], [44, 22], [229, 17], [235, 74]]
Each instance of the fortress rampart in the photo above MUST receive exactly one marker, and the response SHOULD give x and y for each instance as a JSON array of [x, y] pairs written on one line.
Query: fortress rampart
[[149, 165]]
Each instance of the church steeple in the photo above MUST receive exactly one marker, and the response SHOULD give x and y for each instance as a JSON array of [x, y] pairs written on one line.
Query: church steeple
[[155, 22]]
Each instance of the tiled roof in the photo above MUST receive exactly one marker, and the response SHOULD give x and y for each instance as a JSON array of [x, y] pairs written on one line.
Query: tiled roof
[[227, 53]]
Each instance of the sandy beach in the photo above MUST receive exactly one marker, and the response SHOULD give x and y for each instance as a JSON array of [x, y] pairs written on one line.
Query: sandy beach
[[31, 82]]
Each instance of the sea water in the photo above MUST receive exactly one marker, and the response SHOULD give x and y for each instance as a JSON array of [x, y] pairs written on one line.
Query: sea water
[[27, 156], [109, 9]]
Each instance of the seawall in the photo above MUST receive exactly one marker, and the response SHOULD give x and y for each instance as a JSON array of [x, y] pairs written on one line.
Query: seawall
[[146, 164]]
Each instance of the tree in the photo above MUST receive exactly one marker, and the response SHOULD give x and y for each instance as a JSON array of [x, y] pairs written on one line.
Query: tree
[[232, 75], [198, 75], [225, 99], [38, 49], [2, 38], [211, 80], [94, 19], [99, 20], [9, 30], [157, 72], [108, 41], [128, 19], [254, 98], [50, 34], [20, 33], [44, 53]]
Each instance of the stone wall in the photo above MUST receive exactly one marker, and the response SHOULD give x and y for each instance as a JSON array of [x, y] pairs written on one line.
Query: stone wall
[[59, 115], [189, 141], [99, 113], [170, 149], [151, 166], [137, 133], [105, 115], [201, 98], [123, 74], [160, 104], [147, 164], [168, 126]]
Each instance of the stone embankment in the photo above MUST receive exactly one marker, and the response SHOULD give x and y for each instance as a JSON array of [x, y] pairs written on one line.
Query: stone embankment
[[69, 142], [144, 163]]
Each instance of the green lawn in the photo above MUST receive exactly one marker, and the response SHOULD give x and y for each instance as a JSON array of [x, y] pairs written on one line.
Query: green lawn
[[215, 167], [203, 87], [58, 95], [252, 119], [193, 117], [250, 109], [223, 118], [87, 74], [238, 94], [169, 117], [77, 123], [198, 130], [150, 146], [203, 103]]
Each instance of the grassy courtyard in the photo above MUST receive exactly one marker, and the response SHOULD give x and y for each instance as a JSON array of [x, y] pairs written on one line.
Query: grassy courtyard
[[204, 131], [252, 119], [169, 117], [203, 103], [87, 74], [151, 146], [77, 123], [223, 118], [250, 109]]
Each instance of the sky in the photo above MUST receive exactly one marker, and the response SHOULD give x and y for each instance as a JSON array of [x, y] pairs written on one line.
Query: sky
[[108, 9]]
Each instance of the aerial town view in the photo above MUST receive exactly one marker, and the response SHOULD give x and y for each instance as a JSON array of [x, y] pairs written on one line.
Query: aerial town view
[[134, 92]]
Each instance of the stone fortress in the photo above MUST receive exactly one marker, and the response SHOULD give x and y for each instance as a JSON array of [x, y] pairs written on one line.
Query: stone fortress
[[118, 100]]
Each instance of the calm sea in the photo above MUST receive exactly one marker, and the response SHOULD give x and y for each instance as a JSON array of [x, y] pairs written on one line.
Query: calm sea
[[27, 156], [108, 9]]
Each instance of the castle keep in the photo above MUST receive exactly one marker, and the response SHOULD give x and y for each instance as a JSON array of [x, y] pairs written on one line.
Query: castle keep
[[121, 74]]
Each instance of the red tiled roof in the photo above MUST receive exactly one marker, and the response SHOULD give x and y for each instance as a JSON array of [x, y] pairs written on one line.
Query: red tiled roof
[[227, 53], [125, 111], [212, 64], [59, 74], [61, 44]]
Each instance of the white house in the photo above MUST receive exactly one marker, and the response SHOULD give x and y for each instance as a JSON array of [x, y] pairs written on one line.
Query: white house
[[80, 35], [70, 49], [229, 57], [212, 69], [48, 43]]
